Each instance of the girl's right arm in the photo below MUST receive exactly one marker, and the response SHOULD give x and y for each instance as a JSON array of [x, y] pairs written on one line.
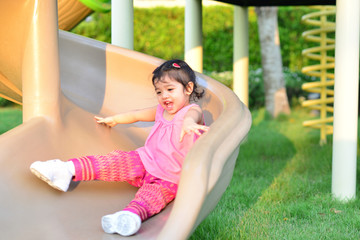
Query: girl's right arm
[[144, 115]]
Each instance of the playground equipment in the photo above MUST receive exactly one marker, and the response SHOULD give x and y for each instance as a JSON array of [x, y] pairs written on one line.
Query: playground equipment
[[71, 12], [345, 125], [63, 80], [324, 70]]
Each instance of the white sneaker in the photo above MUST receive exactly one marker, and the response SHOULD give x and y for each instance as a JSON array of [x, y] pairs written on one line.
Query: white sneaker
[[55, 172], [124, 223]]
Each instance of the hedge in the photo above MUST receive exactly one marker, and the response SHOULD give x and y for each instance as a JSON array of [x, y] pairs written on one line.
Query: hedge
[[160, 32]]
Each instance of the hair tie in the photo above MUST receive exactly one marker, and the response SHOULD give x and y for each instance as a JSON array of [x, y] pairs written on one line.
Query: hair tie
[[175, 65]]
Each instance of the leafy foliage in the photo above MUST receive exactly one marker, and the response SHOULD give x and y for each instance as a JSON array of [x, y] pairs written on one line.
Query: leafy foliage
[[10, 117], [4, 102], [293, 83], [160, 32]]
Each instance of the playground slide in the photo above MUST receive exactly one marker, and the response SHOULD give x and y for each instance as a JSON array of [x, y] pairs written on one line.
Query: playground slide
[[63, 80]]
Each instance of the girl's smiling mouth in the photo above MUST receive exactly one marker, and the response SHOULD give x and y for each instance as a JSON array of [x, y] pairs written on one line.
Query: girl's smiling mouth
[[169, 105]]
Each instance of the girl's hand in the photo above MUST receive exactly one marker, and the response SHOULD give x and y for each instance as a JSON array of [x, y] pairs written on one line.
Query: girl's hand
[[109, 121], [192, 127]]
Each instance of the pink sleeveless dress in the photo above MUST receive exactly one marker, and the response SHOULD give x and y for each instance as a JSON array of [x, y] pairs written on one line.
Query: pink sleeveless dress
[[163, 154]]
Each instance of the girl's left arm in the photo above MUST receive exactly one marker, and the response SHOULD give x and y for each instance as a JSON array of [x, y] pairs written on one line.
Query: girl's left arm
[[193, 123]]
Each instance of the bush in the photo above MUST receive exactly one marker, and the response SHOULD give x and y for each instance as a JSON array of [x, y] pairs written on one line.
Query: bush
[[160, 32], [96, 26], [293, 82], [4, 102], [291, 41], [218, 38]]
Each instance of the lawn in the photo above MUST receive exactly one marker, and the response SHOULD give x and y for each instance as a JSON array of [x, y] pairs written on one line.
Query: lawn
[[281, 187]]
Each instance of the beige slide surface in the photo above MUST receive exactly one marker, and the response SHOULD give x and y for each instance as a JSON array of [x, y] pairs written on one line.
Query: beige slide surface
[[62, 81]]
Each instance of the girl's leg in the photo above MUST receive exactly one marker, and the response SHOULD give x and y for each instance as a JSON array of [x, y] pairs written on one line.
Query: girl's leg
[[114, 166], [153, 196]]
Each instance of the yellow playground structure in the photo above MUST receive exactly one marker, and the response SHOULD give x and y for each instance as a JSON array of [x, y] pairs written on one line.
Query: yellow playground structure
[[322, 54]]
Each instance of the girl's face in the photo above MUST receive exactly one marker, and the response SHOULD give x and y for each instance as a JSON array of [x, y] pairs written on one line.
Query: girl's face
[[172, 95]]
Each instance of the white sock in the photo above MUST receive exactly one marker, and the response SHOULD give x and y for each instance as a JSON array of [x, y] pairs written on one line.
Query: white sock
[[71, 167], [124, 223], [54, 172]]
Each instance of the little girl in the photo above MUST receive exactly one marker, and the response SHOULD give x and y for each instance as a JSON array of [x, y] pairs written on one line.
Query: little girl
[[154, 168]]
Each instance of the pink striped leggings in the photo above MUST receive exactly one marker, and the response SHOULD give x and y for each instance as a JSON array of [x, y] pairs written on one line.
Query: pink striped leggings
[[154, 193]]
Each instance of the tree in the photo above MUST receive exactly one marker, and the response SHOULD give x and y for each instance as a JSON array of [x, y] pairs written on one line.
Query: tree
[[276, 100]]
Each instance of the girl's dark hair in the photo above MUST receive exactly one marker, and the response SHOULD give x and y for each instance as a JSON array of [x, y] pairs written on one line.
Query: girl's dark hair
[[181, 72]]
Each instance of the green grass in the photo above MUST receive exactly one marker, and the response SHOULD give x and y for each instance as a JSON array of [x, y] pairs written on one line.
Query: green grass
[[281, 188], [10, 117]]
